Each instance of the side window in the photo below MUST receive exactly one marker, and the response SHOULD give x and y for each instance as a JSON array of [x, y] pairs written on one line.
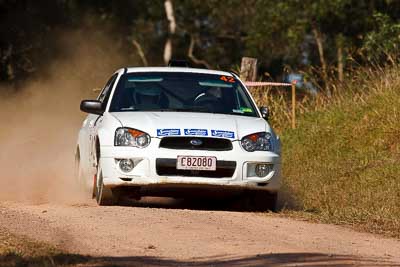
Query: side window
[[105, 93]]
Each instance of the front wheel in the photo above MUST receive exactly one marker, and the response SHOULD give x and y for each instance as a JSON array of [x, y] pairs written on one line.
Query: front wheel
[[82, 180], [79, 173], [104, 195]]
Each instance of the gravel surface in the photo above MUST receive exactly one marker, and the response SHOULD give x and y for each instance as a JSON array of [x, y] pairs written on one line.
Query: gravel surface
[[158, 233]]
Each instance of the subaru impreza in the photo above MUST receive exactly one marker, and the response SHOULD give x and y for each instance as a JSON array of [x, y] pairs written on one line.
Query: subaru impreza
[[167, 131]]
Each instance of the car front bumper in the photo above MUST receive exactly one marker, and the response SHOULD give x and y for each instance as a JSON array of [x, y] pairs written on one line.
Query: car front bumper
[[147, 168]]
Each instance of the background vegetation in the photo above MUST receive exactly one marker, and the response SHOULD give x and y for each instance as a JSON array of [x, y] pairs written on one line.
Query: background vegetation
[[286, 36], [342, 163]]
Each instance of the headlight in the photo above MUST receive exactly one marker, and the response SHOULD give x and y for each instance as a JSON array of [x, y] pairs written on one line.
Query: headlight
[[131, 137], [257, 142]]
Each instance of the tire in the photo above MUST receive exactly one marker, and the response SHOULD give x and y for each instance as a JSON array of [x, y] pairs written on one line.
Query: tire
[[78, 172], [80, 177], [104, 195], [77, 166]]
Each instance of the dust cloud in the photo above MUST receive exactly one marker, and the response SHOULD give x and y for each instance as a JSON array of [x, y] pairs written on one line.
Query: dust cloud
[[40, 123]]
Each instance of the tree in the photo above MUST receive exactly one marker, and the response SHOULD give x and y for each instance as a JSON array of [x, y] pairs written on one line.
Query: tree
[[382, 43], [283, 29], [286, 36]]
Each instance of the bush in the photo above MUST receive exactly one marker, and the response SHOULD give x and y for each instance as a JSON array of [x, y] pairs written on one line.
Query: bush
[[341, 164]]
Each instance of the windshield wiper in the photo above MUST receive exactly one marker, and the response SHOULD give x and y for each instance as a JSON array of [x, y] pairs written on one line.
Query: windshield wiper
[[129, 109], [192, 109]]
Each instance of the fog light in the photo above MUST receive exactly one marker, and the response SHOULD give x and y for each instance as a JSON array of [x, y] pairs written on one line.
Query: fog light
[[126, 165], [263, 170]]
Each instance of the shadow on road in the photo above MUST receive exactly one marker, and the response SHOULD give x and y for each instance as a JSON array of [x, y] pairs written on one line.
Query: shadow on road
[[280, 259], [207, 199], [209, 204]]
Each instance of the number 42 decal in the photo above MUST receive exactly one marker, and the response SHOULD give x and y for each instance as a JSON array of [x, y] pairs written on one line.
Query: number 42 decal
[[227, 79]]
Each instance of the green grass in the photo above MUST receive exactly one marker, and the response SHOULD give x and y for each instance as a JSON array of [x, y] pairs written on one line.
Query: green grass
[[342, 164]]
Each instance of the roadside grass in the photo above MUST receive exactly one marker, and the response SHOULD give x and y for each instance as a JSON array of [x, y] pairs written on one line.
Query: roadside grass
[[342, 164], [17, 251]]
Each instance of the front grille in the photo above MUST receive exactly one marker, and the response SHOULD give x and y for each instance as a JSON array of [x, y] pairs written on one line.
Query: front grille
[[167, 167], [207, 143]]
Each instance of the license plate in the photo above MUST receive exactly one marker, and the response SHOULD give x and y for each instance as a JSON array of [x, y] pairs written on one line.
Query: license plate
[[200, 163]]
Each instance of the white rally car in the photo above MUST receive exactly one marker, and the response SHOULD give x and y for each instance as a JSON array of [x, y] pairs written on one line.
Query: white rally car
[[167, 131]]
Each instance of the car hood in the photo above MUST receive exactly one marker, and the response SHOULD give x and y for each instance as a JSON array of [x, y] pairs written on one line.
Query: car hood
[[159, 124]]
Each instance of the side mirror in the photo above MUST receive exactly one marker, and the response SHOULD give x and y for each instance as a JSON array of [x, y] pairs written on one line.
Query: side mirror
[[92, 106], [264, 113]]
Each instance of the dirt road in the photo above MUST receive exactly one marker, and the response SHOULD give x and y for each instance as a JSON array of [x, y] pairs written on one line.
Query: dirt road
[[170, 234]]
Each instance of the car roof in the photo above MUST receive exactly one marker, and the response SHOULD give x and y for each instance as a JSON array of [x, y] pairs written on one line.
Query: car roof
[[177, 69]]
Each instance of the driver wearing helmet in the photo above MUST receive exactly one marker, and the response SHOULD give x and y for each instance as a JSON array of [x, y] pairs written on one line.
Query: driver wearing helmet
[[212, 99]]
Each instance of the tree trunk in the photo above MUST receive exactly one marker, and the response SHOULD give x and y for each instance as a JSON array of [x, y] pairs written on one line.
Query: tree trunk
[[340, 58], [168, 51], [140, 52], [318, 40], [169, 11], [191, 55], [248, 69]]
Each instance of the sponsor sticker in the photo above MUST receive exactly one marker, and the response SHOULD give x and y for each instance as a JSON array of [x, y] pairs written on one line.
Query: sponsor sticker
[[199, 132], [225, 134], [168, 132], [227, 79], [246, 110]]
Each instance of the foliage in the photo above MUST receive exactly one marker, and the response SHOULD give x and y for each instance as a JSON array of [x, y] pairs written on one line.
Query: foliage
[[341, 163], [383, 42], [278, 33]]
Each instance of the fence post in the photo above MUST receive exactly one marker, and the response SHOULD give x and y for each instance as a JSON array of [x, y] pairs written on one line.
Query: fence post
[[294, 105]]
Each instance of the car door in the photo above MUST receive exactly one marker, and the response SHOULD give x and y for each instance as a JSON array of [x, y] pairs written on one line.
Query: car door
[[95, 120]]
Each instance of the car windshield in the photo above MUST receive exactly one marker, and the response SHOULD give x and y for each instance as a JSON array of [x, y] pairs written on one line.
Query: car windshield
[[181, 91]]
